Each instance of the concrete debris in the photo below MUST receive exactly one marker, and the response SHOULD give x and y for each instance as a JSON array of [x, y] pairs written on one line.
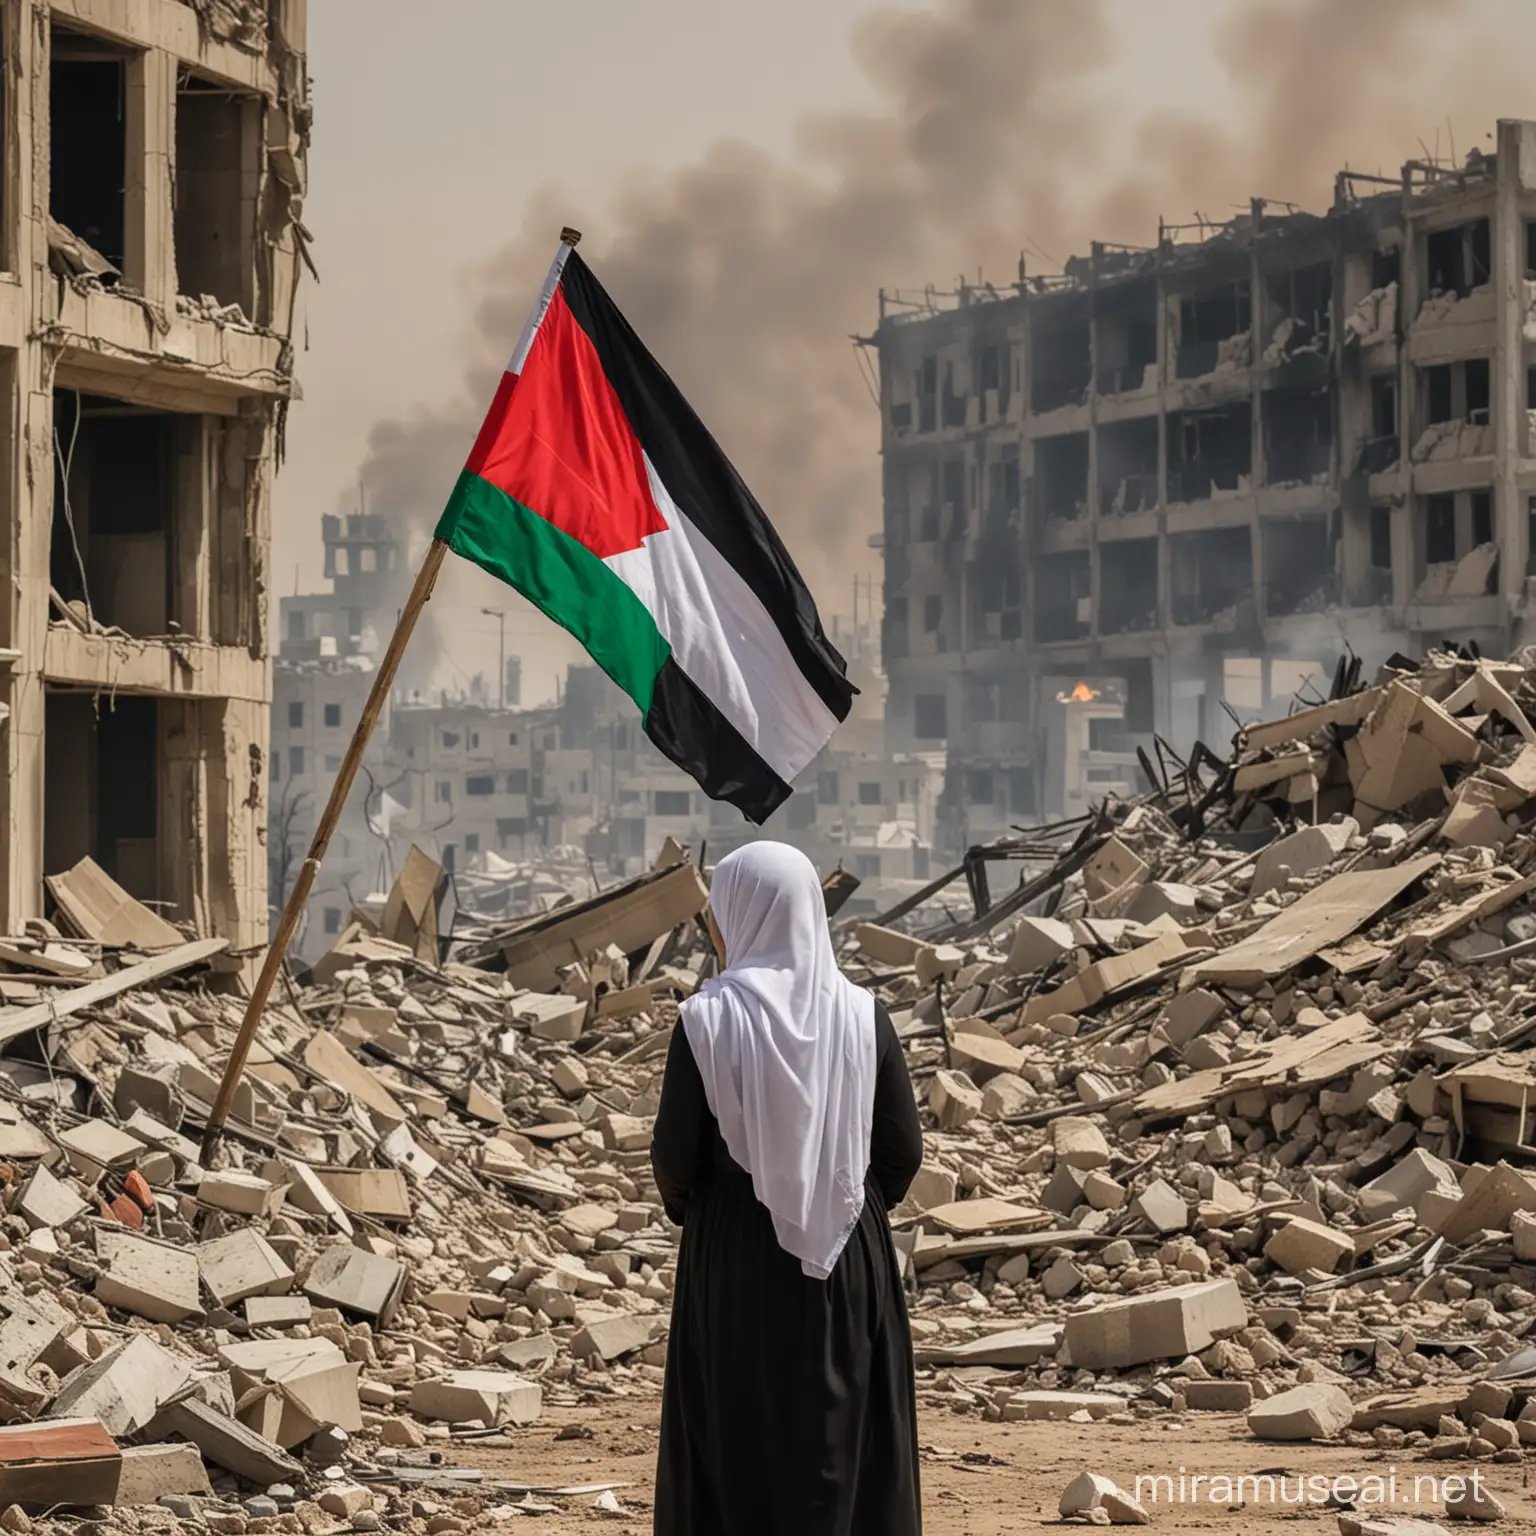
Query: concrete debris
[[1313, 1411], [1274, 1089], [1088, 1491], [1228, 1108]]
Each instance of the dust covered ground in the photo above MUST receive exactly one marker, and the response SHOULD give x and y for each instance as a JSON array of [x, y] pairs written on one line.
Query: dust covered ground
[[984, 1479]]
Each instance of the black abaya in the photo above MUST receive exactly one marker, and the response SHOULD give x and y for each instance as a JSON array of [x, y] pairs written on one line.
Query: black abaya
[[789, 1407]]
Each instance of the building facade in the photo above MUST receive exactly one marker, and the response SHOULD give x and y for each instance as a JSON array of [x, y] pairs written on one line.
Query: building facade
[[150, 254], [1187, 478]]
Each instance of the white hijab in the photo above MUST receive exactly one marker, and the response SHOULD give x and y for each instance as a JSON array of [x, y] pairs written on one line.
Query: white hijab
[[785, 1044]]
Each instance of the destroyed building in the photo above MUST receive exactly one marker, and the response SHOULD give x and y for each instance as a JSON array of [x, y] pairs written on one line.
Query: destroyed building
[[151, 246], [1187, 476]]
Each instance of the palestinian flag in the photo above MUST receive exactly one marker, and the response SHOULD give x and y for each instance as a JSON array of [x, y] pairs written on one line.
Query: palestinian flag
[[597, 493]]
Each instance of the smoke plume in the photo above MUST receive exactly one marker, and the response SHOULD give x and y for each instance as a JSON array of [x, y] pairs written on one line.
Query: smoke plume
[[747, 274]]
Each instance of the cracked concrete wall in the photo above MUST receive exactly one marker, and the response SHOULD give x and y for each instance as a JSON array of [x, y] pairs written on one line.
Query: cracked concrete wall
[[226, 375]]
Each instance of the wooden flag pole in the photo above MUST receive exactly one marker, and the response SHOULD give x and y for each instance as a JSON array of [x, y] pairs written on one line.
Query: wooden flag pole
[[277, 951]]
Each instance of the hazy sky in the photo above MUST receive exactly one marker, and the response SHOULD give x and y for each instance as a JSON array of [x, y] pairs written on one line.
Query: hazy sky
[[436, 125]]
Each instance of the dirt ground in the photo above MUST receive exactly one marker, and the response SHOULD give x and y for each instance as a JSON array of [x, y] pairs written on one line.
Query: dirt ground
[[996, 1479]]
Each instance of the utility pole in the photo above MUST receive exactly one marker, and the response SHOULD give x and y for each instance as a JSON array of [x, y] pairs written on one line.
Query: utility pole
[[500, 616]]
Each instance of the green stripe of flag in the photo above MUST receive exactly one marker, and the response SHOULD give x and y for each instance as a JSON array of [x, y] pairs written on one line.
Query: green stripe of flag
[[560, 576]]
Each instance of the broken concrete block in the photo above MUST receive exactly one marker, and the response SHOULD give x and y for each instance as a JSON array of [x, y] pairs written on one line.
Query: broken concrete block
[[1063, 1192], [1160, 1325], [932, 1186], [345, 1500], [981, 1053], [1162, 1207], [155, 1280], [241, 1264], [94, 1146], [936, 960], [1079, 1142], [1038, 942], [624, 1133], [1406, 1183], [243, 1193], [611, 1338], [314, 1384], [551, 1016], [357, 1281], [1302, 1244], [226, 1442], [308, 1190], [1007, 1094], [125, 1387], [570, 1076], [151, 1470], [1522, 1227], [1102, 1192], [1165, 898], [1059, 1406], [492, 1397], [1187, 1016], [154, 1089], [1486, 1205], [1088, 1491], [521, 1354], [887, 946], [1061, 1279], [1217, 1396], [954, 1099], [1472, 1500], [589, 1220], [1111, 877], [1316, 1410], [1302, 852], [277, 1311], [48, 1201]]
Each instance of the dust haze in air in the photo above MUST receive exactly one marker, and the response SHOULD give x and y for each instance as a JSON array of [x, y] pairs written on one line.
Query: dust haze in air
[[747, 273]]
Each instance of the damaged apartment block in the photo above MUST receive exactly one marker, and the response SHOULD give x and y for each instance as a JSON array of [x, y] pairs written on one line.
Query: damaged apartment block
[[1235, 448], [144, 344]]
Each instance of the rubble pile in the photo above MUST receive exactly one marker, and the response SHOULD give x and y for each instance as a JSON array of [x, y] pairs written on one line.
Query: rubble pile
[[430, 1218], [1226, 1100], [1230, 1102]]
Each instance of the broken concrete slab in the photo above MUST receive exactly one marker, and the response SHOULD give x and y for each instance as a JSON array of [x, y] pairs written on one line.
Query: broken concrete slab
[[1323, 916], [359, 1282], [1038, 942], [1316, 1410], [149, 1471], [126, 1386], [1299, 1244], [1160, 1325], [225, 1442], [611, 1338], [489, 1397], [153, 1279], [1301, 853], [242, 1264]]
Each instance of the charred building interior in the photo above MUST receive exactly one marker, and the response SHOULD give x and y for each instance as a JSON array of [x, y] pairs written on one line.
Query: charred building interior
[[1184, 479]]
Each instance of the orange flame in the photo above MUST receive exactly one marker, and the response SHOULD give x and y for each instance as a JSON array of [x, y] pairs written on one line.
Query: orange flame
[[1082, 694]]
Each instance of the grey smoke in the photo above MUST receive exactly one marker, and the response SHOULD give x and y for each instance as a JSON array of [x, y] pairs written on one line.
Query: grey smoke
[[747, 273]]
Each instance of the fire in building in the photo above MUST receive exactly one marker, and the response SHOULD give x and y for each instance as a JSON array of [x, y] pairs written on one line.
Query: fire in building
[[152, 248], [1166, 489]]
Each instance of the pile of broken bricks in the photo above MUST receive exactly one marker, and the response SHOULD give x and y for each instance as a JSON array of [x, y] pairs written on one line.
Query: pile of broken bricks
[[1231, 1114], [1225, 1111], [430, 1218]]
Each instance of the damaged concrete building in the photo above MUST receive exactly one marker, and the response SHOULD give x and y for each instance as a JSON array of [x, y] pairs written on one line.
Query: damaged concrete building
[[151, 240], [1173, 484]]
